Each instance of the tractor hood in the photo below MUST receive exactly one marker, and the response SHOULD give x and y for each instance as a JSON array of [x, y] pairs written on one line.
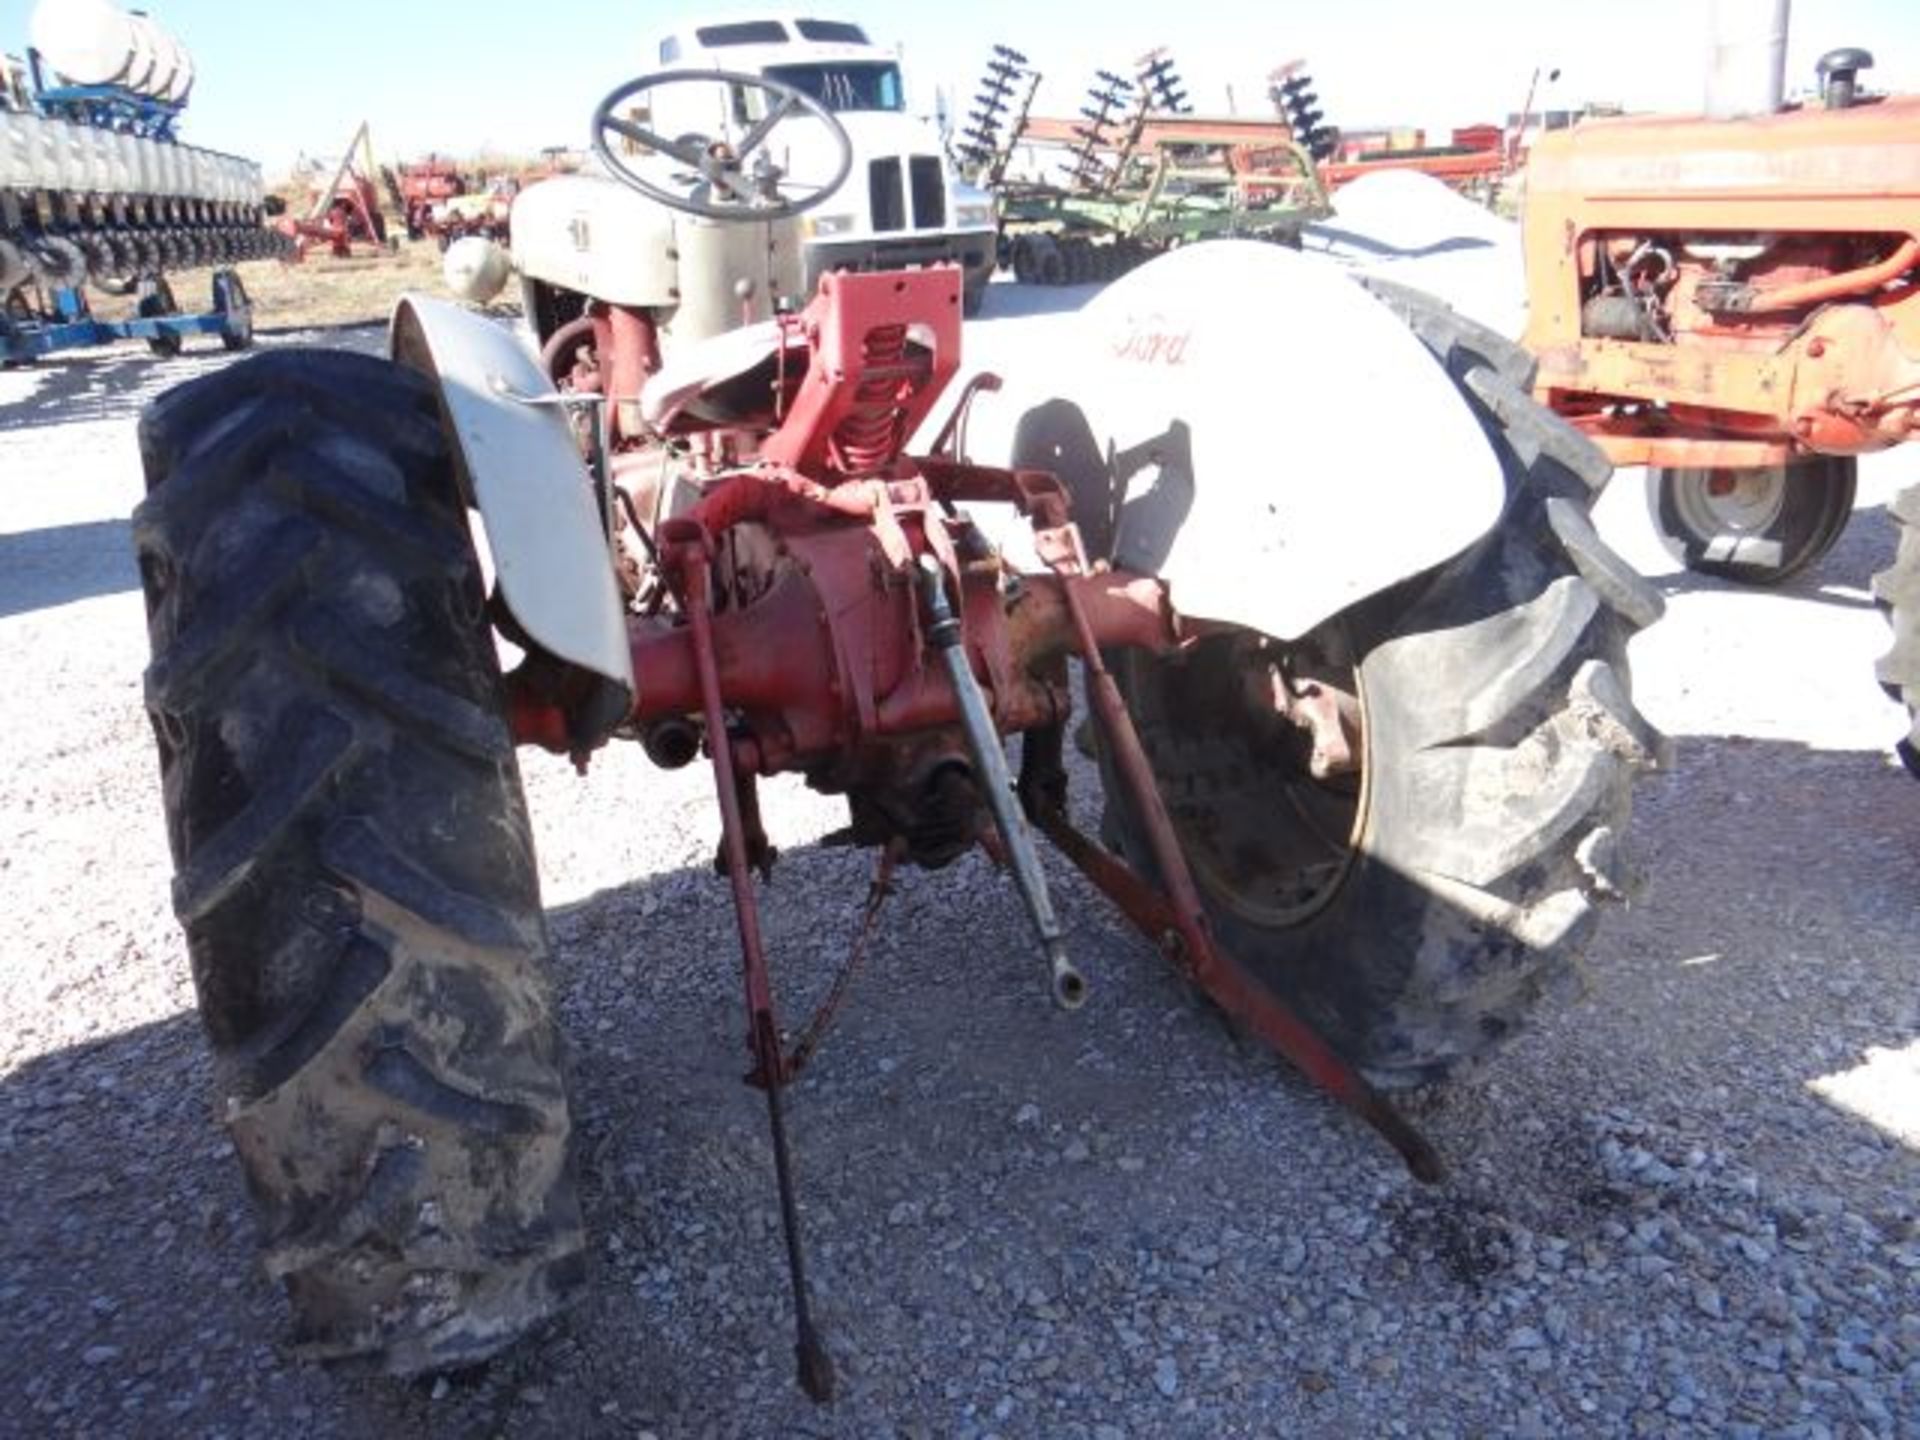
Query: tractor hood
[[592, 234], [1253, 427]]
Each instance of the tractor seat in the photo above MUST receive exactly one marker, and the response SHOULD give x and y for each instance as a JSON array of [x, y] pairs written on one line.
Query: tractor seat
[[722, 381]]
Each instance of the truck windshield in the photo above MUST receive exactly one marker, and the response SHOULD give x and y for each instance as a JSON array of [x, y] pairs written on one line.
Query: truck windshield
[[845, 85]]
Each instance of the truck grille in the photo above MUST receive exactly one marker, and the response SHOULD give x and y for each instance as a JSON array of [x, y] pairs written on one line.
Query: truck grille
[[887, 196], [887, 204], [929, 193]]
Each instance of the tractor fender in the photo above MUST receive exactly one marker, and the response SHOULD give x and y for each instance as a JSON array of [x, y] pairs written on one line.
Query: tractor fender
[[1253, 427], [522, 467]]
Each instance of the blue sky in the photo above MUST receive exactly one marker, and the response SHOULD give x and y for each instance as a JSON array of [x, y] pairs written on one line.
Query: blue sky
[[279, 79]]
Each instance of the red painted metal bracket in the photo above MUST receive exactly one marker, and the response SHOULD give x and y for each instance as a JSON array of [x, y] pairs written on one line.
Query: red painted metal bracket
[[1177, 920]]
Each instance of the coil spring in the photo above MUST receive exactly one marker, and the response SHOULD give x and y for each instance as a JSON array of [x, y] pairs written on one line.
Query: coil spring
[[869, 436]]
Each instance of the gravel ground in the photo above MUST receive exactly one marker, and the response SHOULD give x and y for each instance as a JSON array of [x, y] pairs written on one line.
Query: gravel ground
[[1685, 1205]]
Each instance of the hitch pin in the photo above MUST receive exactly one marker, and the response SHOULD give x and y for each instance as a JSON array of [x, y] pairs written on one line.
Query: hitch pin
[[996, 786]]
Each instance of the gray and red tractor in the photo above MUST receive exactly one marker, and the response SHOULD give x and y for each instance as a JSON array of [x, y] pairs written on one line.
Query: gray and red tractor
[[1319, 565]]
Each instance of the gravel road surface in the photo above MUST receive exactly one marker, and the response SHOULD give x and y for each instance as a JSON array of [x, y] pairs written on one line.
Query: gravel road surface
[[1683, 1205]]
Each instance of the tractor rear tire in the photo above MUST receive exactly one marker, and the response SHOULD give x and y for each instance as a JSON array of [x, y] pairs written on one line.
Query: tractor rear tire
[[1772, 524], [1897, 588], [1415, 912], [354, 866]]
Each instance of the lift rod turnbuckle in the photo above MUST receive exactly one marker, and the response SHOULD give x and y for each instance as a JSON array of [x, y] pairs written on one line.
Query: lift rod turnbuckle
[[995, 785]]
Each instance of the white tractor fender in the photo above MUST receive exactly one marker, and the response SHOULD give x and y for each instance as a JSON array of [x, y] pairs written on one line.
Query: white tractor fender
[[1282, 444], [524, 470]]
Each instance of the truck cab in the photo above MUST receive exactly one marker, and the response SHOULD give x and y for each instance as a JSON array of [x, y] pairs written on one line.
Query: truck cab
[[905, 203]]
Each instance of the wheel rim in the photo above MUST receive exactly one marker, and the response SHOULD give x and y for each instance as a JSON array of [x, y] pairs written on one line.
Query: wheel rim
[[1724, 502], [1265, 838]]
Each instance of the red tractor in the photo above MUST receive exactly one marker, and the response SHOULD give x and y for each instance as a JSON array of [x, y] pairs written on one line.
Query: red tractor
[[345, 216], [1734, 302], [422, 186], [486, 214], [1366, 783]]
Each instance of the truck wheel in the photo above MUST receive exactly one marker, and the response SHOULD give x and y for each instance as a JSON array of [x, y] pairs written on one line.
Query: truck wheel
[[354, 868], [1414, 908], [973, 296], [1897, 588], [1757, 526]]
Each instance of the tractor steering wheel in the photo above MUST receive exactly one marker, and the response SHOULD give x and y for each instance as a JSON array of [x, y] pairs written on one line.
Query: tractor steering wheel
[[717, 178]]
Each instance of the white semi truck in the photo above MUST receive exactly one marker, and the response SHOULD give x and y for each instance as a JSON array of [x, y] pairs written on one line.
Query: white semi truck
[[904, 203]]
